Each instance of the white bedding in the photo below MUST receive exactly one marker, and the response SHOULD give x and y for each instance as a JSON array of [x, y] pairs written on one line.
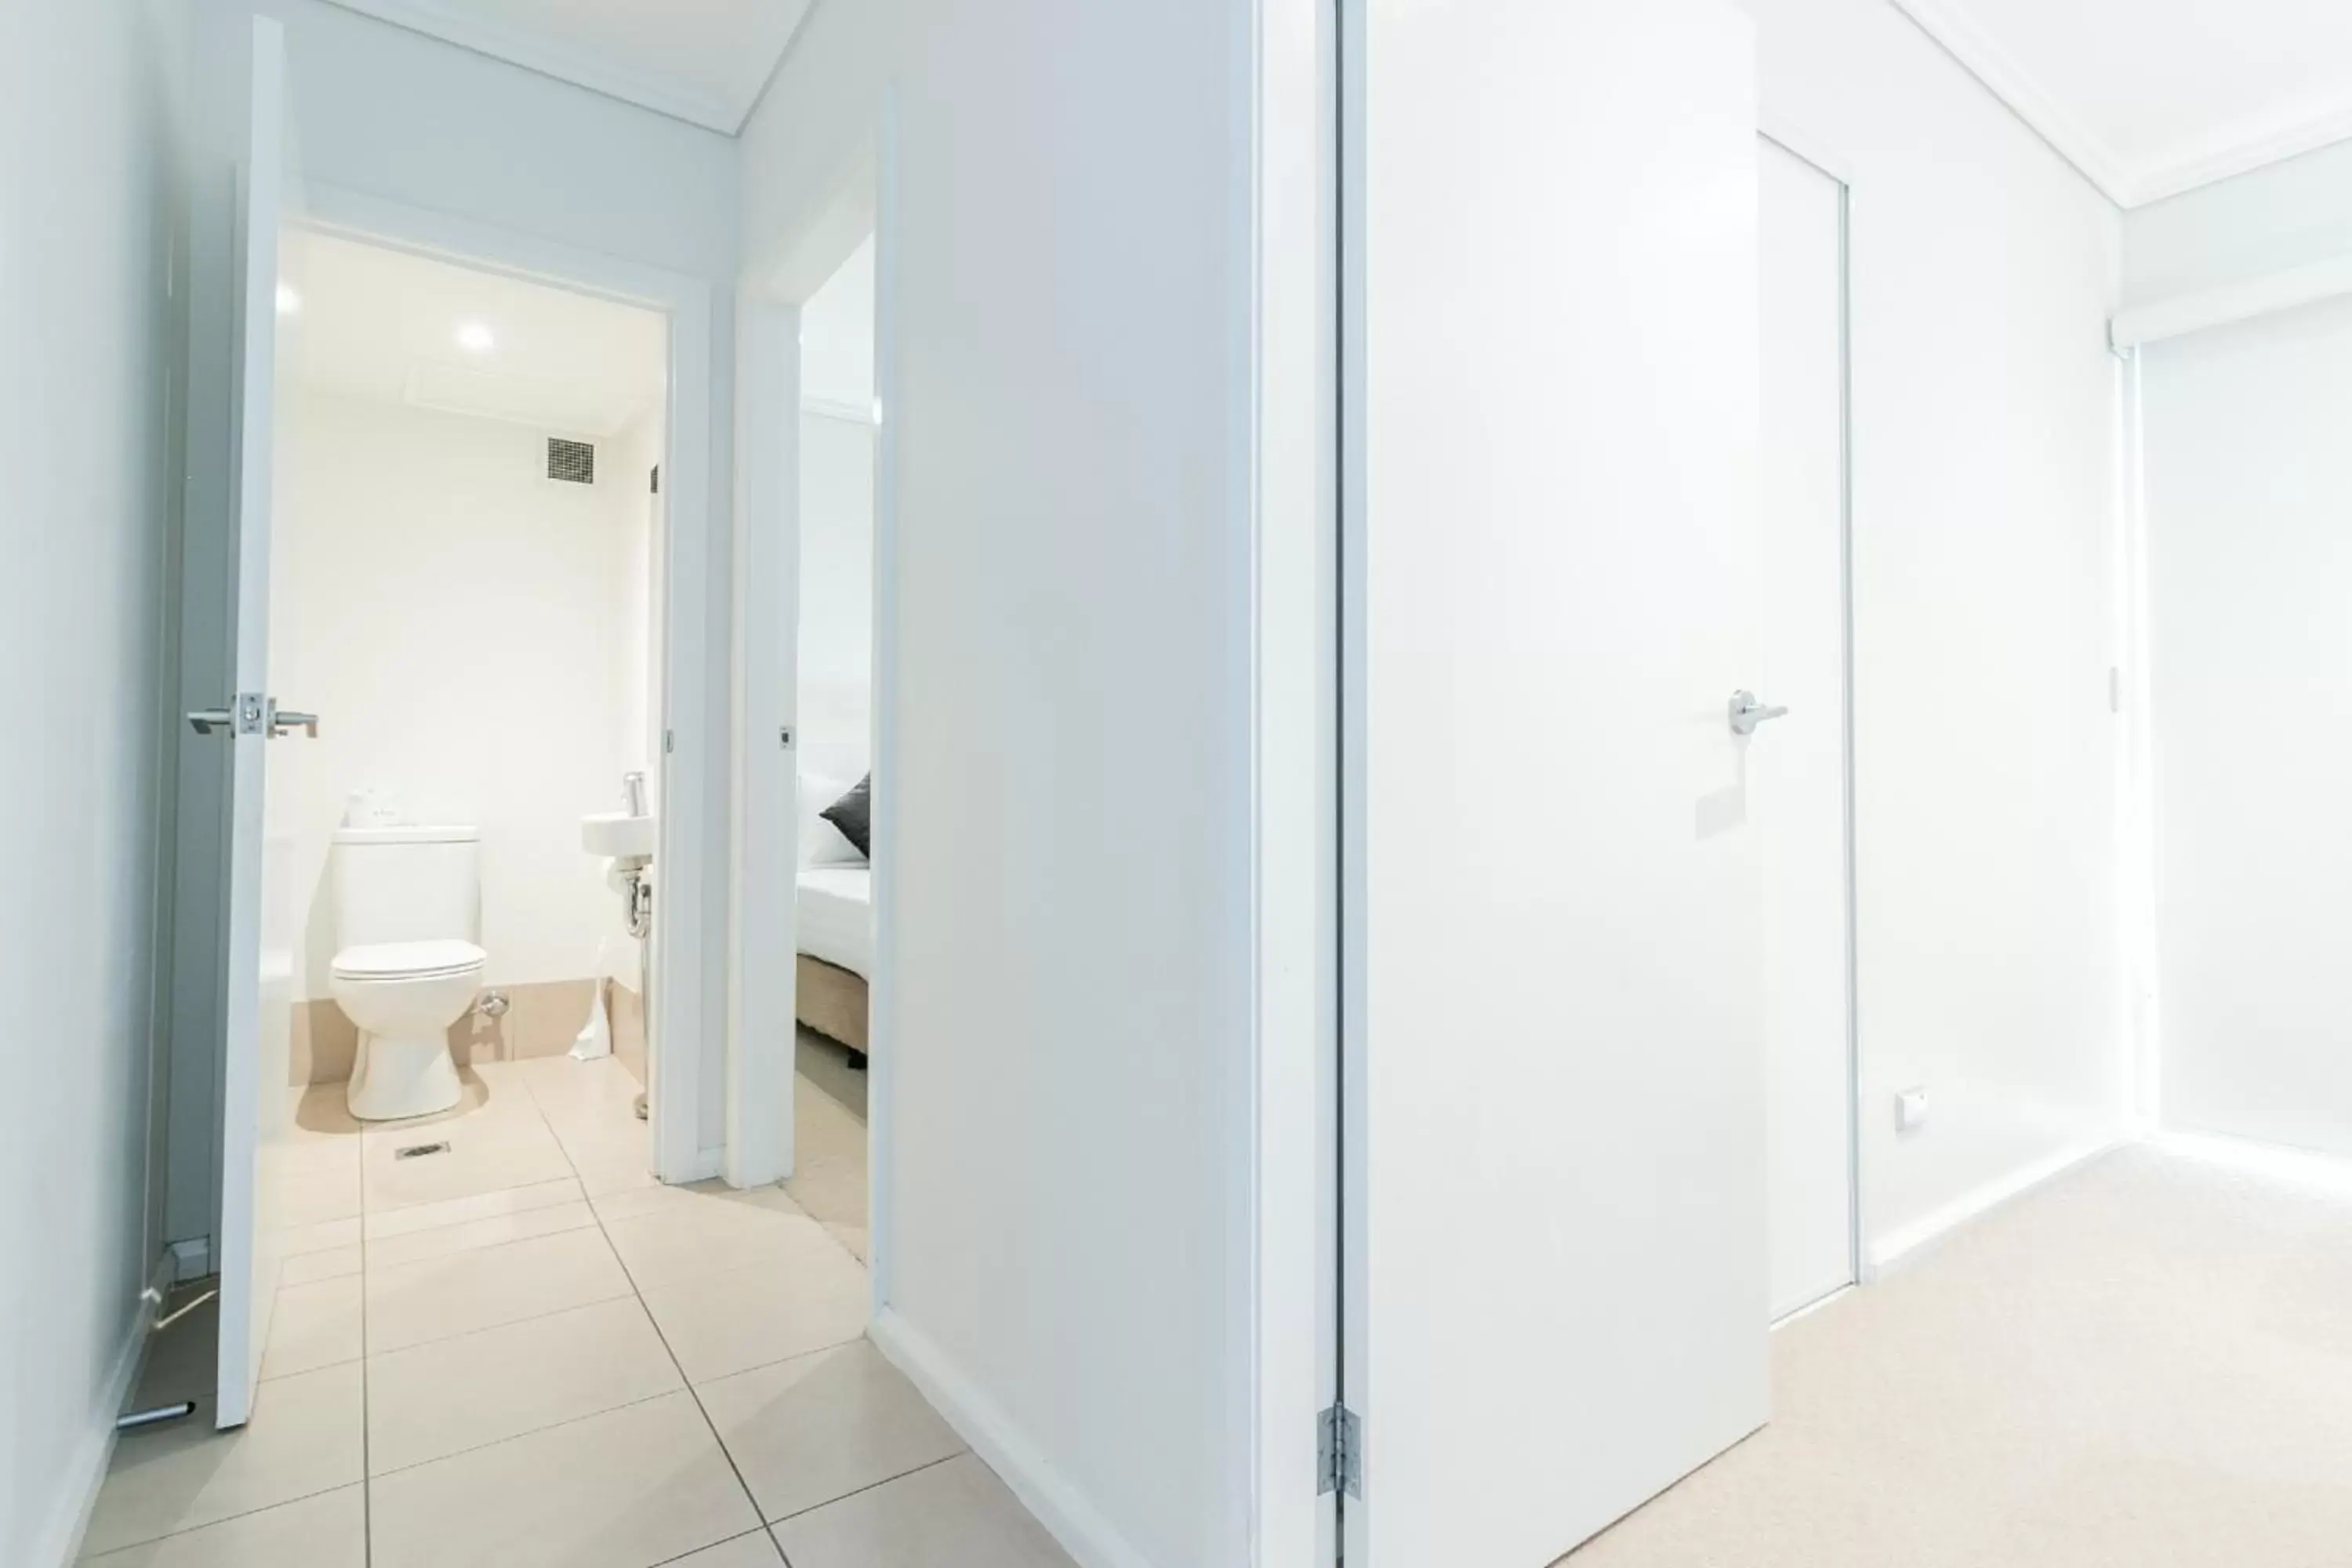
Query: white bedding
[[836, 916]]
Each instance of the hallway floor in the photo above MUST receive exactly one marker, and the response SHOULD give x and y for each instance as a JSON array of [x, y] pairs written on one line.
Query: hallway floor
[[521, 1352], [2146, 1364]]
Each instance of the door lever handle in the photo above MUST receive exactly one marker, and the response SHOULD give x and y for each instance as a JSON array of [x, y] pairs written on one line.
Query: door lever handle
[[282, 720], [1746, 712], [208, 720]]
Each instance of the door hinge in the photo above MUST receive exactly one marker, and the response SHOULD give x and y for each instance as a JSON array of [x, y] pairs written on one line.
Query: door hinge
[[1340, 1452]]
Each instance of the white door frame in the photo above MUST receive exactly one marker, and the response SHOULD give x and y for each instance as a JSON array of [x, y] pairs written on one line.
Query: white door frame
[[1806, 148], [691, 908], [762, 999]]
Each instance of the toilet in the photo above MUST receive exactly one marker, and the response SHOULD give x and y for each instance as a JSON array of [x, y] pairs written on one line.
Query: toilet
[[408, 962]]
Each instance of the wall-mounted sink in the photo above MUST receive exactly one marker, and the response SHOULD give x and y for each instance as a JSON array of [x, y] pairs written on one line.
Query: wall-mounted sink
[[620, 836]]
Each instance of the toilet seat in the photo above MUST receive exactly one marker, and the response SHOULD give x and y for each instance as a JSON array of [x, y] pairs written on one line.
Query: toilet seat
[[407, 959]]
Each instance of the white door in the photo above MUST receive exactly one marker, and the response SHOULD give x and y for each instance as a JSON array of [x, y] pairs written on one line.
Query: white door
[[1797, 775], [1555, 1234], [259, 948]]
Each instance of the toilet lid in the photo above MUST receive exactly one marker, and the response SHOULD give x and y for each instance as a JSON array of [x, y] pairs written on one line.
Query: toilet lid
[[406, 960]]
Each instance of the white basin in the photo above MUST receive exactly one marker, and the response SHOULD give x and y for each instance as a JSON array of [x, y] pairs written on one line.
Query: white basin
[[618, 835]]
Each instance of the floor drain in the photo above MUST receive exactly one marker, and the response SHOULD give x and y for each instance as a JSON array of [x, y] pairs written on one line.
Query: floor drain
[[417, 1150]]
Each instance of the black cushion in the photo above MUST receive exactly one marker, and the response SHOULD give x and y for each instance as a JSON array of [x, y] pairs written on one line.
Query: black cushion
[[852, 813]]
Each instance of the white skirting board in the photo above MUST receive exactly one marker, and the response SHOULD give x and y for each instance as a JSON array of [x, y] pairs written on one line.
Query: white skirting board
[[1901, 1243], [59, 1541], [1089, 1538]]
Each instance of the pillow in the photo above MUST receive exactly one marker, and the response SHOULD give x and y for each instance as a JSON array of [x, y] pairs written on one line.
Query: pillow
[[820, 843], [852, 813]]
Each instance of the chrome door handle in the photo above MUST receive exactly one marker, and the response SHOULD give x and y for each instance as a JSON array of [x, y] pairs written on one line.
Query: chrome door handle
[[1746, 712], [206, 720], [282, 720]]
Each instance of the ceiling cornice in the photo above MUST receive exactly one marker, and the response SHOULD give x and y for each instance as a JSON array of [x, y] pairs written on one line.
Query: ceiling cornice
[[2009, 82], [2226, 155], [2125, 184], [537, 54]]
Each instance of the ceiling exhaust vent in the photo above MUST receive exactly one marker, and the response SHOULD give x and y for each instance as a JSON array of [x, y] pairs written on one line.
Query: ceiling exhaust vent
[[574, 462]]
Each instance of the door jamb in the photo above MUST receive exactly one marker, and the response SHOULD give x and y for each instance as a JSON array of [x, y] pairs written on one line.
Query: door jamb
[[1802, 144], [693, 912], [770, 291]]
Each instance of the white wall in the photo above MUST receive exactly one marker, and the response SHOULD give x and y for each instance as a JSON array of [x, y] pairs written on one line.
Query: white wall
[[1067, 1180], [1983, 271], [92, 192], [836, 647], [2249, 479], [394, 115], [2284, 215], [452, 613]]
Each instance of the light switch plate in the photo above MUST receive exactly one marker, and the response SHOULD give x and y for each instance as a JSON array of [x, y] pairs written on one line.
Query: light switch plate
[[1911, 1110]]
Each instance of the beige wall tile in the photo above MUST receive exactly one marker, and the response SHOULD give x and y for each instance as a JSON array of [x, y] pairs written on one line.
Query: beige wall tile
[[542, 1019], [628, 1028]]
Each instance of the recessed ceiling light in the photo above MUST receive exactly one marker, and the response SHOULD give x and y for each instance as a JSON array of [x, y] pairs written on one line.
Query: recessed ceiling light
[[288, 301], [475, 338]]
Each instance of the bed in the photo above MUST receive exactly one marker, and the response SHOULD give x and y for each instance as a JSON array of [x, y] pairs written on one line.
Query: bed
[[835, 929]]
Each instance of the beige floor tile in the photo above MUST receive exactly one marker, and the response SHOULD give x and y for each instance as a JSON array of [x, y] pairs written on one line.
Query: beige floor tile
[[676, 1242], [293, 1241], [329, 1263], [484, 1156], [485, 1095], [444, 1297], [483, 1205], [817, 1427], [305, 1438], [724, 1324], [493, 1230], [313, 1325], [829, 1151], [182, 1358], [603, 1178], [561, 1085], [628, 1489], [694, 1195], [454, 1395], [752, 1551], [953, 1513], [328, 1530], [322, 1112], [313, 1195]]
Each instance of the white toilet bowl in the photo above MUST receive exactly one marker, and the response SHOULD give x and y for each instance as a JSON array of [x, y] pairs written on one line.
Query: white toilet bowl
[[404, 995]]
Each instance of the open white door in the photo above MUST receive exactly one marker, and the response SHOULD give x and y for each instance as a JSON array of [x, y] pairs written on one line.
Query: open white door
[[1554, 1181], [259, 949]]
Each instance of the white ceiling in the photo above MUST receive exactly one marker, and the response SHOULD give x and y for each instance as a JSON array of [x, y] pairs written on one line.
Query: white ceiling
[[705, 61], [2151, 97], [385, 325]]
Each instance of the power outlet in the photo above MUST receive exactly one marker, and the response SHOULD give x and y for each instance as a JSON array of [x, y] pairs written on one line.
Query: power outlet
[[1911, 1110]]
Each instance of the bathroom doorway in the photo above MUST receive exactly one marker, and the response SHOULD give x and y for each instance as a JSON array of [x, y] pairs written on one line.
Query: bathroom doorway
[[467, 584]]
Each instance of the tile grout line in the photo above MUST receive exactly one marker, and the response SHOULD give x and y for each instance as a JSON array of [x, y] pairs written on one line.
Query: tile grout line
[[694, 1393], [961, 1453]]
